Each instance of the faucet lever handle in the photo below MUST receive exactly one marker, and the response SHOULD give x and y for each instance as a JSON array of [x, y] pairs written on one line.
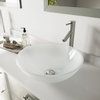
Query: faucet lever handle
[[68, 24]]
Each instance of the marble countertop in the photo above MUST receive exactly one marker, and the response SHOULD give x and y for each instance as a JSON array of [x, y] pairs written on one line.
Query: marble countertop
[[84, 85]]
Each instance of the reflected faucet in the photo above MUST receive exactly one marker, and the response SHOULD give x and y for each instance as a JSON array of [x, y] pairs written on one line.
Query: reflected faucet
[[70, 34]]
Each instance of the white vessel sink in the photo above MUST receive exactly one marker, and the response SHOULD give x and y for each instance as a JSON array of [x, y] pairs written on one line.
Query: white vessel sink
[[49, 62]]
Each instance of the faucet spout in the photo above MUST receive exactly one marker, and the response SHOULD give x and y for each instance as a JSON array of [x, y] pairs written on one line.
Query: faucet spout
[[70, 34]]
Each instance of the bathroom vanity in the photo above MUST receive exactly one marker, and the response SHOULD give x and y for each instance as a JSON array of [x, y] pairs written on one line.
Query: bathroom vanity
[[84, 85]]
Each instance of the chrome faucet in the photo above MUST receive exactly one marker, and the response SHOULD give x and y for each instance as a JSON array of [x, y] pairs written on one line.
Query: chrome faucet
[[70, 34]]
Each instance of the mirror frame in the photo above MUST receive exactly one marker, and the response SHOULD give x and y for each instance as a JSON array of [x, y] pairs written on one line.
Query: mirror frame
[[90, 12]]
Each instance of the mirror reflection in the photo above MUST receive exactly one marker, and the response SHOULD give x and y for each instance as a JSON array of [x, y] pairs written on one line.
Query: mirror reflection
[[76, 3], [2, 0]]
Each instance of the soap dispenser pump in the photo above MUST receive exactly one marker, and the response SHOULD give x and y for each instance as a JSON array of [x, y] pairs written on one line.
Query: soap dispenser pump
[[24, 37], [24, 29]]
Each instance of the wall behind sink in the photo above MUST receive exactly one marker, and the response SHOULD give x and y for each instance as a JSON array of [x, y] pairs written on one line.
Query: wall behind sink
[[51, 26]]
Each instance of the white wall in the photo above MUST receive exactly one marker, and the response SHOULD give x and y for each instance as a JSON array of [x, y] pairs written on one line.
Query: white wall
[[1, 25], [51, 26]]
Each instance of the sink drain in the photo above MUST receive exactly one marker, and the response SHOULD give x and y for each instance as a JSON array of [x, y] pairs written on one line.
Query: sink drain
[[50, 72]]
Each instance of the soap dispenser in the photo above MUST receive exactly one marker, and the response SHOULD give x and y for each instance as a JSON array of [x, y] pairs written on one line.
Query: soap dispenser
[[24, 37]]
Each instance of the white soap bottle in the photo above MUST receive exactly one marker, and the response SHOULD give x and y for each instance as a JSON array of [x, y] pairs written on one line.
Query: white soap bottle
[[24, 37]]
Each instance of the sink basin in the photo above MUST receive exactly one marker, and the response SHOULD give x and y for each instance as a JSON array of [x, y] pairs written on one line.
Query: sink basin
[[49, 62]]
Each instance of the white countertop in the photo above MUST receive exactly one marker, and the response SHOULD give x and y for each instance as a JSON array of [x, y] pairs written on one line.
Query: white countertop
[[84, 85]]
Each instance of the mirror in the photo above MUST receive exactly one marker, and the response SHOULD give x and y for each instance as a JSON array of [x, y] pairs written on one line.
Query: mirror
[[75, 7], [11, 3], [76, 3]]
